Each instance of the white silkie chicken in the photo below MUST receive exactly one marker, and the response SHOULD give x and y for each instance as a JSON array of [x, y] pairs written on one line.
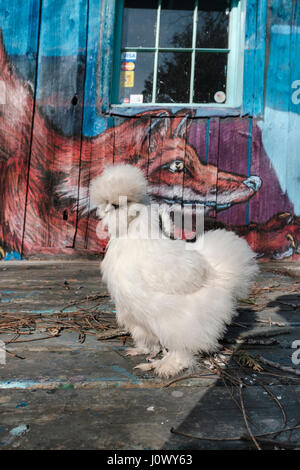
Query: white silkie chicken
[[169, 294]]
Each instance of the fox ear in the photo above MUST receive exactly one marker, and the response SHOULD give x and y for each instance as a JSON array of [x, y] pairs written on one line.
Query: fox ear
[[181, 123], [158, 129]]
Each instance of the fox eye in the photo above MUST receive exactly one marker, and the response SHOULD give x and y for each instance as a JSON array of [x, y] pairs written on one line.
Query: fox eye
[[175, 167]]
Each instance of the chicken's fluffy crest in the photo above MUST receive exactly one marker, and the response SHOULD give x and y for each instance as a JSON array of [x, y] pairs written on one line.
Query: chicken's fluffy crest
[[117, 181]]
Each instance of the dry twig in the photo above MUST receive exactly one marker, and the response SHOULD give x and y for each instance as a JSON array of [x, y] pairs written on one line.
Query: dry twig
[[279, 366]]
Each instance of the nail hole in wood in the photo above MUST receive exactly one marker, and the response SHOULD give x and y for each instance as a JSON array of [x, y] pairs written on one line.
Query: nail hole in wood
[[74, 100]]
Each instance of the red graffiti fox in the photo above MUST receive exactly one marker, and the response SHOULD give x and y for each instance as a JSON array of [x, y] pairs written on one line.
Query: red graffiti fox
[[176, 174], [44, 176]]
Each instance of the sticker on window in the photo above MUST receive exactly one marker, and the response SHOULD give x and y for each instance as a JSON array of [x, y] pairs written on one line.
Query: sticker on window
[[128, 56], [137, 99], [127, 79], [127, 65], [220, 97]]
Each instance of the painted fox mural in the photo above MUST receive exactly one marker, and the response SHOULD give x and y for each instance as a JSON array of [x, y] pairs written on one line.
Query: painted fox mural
[[45, 176]]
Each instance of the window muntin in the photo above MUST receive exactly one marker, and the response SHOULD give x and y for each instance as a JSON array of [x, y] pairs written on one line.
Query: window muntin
[[176, 52]]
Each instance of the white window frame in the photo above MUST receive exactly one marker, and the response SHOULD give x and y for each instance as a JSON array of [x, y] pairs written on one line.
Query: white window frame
[[235, 64]]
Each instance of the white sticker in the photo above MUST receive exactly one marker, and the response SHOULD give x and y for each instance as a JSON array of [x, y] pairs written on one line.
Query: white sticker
[[138, 99], [220, 97], [128, 56]]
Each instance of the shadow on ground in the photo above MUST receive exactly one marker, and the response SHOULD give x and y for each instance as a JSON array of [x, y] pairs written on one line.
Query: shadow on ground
[[270, 397]]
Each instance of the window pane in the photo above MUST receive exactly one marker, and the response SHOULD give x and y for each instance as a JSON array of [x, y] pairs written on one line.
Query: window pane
[[210, 77], [136, 80], [173, 77], [139, 23], [176, 23], [213, 22]]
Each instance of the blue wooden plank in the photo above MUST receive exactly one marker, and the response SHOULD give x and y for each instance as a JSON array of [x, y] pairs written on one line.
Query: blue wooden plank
[[280, 127], [61, 74], [260, 53], [254, 58], [117, 52], [93, 122], [249, 56], [63, 32], [19, 23], [63, 27], [278, 87], [293, 160], [106, 53]]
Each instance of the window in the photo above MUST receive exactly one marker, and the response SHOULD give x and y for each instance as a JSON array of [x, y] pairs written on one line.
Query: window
[[179, 52]]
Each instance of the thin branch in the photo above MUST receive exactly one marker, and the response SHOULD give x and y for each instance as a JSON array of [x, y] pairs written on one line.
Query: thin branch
[[235, 438], [279, 366], [113, 333], [189, 376], [10, 353], [246, 420]]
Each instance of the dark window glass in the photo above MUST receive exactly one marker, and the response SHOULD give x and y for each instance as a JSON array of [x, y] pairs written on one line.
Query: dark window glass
[[213, 22], [138, 81], [173, 77], [139, 23], [210, 77], [174, 67], [176, 23]]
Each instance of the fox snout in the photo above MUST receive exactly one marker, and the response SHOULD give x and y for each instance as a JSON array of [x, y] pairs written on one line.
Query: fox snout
[[253, 182]]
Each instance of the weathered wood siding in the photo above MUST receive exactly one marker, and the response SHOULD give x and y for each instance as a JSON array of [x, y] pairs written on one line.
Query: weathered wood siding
[[57, 131]]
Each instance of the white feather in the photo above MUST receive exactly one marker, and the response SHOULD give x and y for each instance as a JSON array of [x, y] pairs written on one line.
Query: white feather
[[169, 297]]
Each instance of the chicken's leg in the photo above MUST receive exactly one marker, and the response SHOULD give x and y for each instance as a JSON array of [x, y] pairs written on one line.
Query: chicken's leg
[[171, 364], [145, 342]]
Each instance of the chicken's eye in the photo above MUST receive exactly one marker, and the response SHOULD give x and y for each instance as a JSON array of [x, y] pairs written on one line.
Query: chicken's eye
[[176, 167]]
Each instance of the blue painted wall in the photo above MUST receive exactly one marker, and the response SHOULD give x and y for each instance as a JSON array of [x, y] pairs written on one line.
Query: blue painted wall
[[65, 51], [281, 121]]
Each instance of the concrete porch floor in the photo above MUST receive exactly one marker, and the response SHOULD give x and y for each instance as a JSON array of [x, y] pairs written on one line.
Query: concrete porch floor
[[74, 391]]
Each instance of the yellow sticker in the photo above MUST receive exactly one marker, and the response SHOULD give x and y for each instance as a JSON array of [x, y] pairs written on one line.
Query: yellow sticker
[[127, 79]]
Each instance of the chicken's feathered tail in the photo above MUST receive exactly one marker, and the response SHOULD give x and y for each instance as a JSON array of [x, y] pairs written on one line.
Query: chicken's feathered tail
[[232, 260]]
